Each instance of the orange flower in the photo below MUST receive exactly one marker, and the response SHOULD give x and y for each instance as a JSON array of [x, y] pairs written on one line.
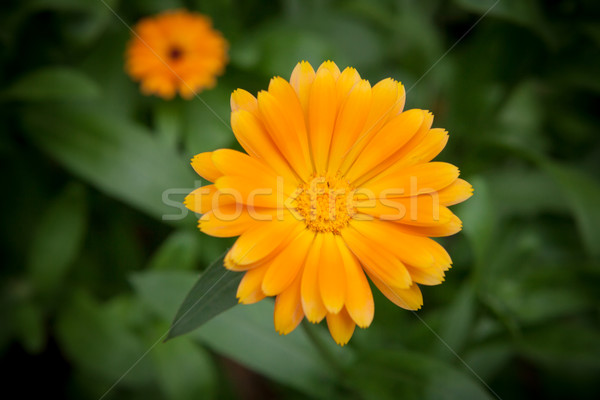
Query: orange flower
[[176, 51], [338, 182]]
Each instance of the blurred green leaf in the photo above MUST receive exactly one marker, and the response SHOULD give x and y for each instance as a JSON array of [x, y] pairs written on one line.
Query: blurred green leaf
[[402, 374], [168, 121], [178, 252], [583, 195], [246, 335], [52, 84], [29, 326], [163, 291], [119, 157], [58, 239], [212, 294], [99, 339], [457, 323], [479, 219], [184, 370]]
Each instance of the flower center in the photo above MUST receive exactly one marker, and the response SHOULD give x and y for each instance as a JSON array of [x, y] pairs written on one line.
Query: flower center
[[175, 53], [325, 204]]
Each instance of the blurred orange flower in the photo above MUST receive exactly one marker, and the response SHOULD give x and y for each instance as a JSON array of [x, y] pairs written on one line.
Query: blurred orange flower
[[176, 51]]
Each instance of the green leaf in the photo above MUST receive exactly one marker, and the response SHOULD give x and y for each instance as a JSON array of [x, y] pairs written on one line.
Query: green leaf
[[58, 239], [163, 291], [214, 293], [29, 326], [178, 252], [117, 156], [394, 374], [52, 84], [246, 335], [583, 195], [185, 371], [457, 323], [98, 338]]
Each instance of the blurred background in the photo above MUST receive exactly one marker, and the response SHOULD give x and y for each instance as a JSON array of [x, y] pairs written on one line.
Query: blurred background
[[92, 272]]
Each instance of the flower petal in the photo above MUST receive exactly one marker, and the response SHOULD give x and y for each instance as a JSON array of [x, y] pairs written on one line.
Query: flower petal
[[301, 80], [285, 266], [255, 139], [409, 299], [204, 166], [288, 311], [387, 141], [230, 220], [359, 299], [349, 123], [414, 180], [260, 241], [312, 303], [332, 275], [376, 259], [424, 210], [249, 290], [459, 191], [243, 100], [341, 326], [322, 110]]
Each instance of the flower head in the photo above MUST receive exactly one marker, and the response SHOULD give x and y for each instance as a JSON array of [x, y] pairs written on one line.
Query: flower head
[[337, 185], [176, 51]]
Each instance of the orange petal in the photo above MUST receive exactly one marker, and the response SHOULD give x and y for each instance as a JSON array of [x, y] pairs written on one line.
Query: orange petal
[[301, 80], [331, 67], [424, 210], [254, 138], [359, 299], [242, 100], [229, 220], [426, 276], [341, 326], [349, 123], [312, 303], [249, 290], [288, 311], [409, 299], [285, 133], [203, 165], [344, 84], [448, 229], [431, 145], [411, 181], [459, 191], [322, 109], [332, 276], [259, 242], [376, 259], [285, 266], [386, 142], [202, 199]]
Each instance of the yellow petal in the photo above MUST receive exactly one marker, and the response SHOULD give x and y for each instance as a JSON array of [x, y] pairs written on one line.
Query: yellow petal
[[204, 198], [376, 259], [341, 326], [431, 145], [242, 100], [285, 266], [409, 299], [359, 299], [413, 250], [396, 160], [301, 80], [229, 220], [426, 276], [448, 229], [386, 142], [312, 303], [254, 138], [288, 311], [322, 110], [203, 165], [344, 84], [384, 97], [424, 210], [249, 290], [330, 65], [459, 191], [261, 241], [332, 276], [285, 133], [349, 123], [414, 180]]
